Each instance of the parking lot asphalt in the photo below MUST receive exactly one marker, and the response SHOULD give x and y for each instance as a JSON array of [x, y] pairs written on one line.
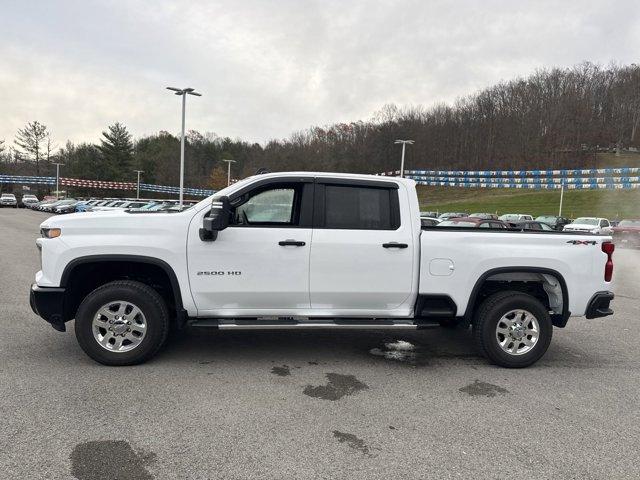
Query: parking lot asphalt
[[284, 405]]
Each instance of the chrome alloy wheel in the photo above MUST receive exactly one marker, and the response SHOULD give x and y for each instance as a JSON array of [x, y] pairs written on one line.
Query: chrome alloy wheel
[[517, 332], [119, 326]]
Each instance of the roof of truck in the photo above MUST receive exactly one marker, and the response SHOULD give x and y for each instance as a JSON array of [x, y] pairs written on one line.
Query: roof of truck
[[381, 178]]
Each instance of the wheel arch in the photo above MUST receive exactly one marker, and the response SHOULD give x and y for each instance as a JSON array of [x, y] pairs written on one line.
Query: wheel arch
[[66, 280], [558, 320]]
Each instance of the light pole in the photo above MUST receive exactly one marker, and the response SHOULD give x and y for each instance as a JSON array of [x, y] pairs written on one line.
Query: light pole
[[183, 92], [58, 165], [229, 162], [138, 187], [561, 195], [404, 144]]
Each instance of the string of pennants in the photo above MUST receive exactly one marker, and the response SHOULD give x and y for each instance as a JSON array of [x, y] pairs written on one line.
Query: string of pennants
[[78, 182], [603, 178], [627, 171]]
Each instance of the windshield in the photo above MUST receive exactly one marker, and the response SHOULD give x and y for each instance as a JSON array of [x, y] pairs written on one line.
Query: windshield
[[8, 195], [455, 223], [629, 223], [545, 218], [586, 221]]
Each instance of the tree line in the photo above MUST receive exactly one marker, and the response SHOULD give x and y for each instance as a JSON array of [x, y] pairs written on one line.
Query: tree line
[[554, 118]]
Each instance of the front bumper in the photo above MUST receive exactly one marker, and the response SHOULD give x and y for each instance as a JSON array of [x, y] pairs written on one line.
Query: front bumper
[[599, 305], [48, 303]]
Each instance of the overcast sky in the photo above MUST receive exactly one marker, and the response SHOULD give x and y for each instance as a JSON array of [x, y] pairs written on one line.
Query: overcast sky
[[268, 68]]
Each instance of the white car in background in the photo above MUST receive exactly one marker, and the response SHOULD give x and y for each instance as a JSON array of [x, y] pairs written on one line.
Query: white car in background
[[599, 226], [515, 217], [28, 200], [8, 200]]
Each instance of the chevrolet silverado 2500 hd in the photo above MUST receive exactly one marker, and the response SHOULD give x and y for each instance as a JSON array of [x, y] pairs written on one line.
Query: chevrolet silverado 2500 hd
[[306, 251]]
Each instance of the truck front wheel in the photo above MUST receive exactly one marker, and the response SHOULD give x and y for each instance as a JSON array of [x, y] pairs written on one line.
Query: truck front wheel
[[512, 329], [122, 323]]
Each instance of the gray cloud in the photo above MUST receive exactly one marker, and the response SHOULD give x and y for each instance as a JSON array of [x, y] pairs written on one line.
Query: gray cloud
[[268, 68]]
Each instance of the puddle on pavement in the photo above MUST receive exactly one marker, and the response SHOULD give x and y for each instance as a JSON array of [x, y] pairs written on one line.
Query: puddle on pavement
[[402, 351], [282, 371], [338, 386], [352, 442], [107, 460], [483, 389]]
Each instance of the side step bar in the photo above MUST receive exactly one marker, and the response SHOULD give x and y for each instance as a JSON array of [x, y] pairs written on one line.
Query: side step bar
[[311, 324]]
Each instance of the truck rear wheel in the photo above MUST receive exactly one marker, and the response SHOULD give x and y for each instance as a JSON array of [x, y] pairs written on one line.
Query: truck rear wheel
[[122, 323], [512, 329]]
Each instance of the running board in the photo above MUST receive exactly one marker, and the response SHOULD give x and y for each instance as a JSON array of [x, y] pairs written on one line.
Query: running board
[[311, 324]]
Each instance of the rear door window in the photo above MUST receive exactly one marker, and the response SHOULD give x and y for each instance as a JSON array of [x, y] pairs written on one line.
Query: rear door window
[[360, 208]]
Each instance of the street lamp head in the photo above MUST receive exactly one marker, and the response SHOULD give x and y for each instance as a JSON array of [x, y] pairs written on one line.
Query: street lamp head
[[410, 142], [228, 160], [183, 91]]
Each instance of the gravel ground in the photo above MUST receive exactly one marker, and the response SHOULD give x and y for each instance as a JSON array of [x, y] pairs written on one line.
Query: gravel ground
[[314, 405]]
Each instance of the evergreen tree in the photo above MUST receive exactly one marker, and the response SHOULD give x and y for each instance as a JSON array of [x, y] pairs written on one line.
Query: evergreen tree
[[116, 151], [34, 143]]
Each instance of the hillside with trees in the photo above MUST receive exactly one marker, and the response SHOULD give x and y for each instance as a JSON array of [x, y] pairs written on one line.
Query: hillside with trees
[[554, 118]]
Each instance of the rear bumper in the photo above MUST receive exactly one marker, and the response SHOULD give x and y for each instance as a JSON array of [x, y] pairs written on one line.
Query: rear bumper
[[599, 305], [48, 303]]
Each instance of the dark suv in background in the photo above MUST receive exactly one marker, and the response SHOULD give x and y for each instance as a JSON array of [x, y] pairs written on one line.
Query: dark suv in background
[[557, 223]]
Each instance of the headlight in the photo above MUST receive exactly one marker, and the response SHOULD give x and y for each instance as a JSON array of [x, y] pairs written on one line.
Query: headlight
[[50, 232]]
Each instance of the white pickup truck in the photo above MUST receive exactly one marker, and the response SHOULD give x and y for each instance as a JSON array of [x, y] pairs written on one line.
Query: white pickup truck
[[306, 251]]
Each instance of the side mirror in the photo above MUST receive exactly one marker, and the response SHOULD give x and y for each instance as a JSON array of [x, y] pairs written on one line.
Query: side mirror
[[216, 220]]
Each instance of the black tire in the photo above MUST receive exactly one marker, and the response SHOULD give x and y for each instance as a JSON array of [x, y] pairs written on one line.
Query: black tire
[[146, 299], [486, 321]]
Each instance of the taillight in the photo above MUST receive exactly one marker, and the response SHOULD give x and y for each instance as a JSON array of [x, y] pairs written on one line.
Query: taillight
[[608, 248]]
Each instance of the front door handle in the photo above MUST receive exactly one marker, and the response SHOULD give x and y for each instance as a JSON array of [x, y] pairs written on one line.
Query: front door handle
[[394, 245], [289, 242]]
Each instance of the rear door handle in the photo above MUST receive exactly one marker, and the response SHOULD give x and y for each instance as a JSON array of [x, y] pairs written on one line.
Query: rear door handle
[[394, 245], [289, 242]]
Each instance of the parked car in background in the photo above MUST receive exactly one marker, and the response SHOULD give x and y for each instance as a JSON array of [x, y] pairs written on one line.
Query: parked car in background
[[51, 206], [429, 221], [45, 204], [83, 205], [627, 233], [28, 200], [429, 214], [599, 226], [532, 225], [8, 200], [557, 223], [472, 222], [448, 215], [515, 217], [485, 216], [66, 206]]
